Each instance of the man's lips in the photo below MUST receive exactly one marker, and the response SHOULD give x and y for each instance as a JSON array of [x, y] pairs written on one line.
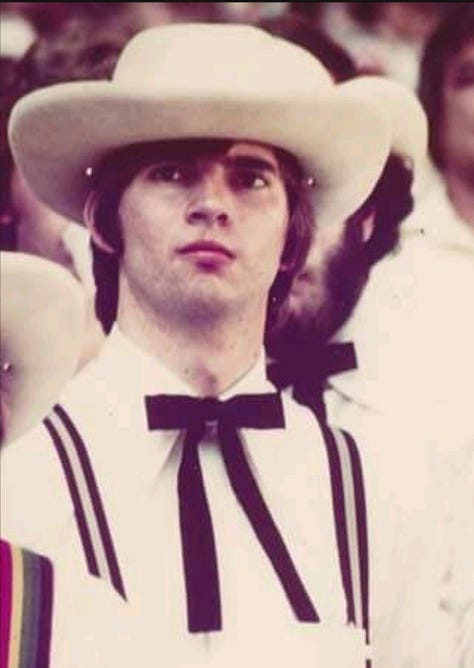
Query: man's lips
[[206, 247]]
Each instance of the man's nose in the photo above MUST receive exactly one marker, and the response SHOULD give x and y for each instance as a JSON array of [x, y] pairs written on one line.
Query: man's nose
[[209, 204]]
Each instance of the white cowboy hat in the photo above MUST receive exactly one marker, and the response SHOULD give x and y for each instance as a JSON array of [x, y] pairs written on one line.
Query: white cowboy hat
[[407, 120], [42, 319], [204, 80]]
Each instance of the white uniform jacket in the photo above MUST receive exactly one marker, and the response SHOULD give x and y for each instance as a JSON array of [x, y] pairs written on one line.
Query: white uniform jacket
[[135, 473]]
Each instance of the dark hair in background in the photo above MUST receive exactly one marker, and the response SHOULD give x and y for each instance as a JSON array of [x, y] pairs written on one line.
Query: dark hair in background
[[453, 32], [391, 201], [310, 11], [51, 19], [118, 170], [364, 13], [368, 13]]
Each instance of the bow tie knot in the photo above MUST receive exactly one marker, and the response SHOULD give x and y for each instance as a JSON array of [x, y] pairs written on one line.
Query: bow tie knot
[[211, 409], [254, 411]]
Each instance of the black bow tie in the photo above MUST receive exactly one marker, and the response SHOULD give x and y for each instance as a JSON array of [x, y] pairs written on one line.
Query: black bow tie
[[307, 368], [259, 411], [311, 364]]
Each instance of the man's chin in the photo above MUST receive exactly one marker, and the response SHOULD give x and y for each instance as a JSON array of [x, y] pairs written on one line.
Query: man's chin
[[207, 305]]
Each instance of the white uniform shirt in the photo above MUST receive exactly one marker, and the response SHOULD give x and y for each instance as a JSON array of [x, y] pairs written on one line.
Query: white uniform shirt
[[136, 471], [92, 627], [413, 330], [415, 318], [408, 627]]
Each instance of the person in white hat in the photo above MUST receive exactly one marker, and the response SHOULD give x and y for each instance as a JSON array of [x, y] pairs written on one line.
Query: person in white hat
[[229, 519], [42, 314], [312, 353], [413, 328]]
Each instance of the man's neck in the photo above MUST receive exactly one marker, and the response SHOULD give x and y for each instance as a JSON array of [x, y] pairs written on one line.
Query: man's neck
[[210, 361], [461, 194]]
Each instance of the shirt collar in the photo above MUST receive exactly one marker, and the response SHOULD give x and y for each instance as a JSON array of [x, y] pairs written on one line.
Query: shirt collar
[[142, 370]]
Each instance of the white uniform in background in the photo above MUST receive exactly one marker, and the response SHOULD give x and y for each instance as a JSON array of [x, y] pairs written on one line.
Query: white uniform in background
[[413, 331]]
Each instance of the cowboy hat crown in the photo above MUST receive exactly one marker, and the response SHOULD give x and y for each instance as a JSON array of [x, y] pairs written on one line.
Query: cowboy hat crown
[[195, 80]]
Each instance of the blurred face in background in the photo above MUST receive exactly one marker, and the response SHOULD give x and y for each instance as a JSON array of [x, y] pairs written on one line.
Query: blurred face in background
[[309, 286], [457, 126], [325, 292]]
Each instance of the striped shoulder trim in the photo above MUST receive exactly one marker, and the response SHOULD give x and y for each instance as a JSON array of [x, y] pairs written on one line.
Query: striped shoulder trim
[[90, 515], [351, 523]]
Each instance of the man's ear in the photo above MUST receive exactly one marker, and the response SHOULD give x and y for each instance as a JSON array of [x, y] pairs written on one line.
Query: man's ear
[[89, 221]]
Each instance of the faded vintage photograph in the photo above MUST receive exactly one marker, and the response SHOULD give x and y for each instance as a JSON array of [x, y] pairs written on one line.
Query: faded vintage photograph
[[237, 335]]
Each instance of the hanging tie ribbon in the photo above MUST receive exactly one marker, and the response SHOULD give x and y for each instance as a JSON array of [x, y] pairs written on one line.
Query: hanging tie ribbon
[[259, 411]]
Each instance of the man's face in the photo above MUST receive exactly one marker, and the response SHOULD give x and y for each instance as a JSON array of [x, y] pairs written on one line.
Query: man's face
[[327, 289], [204, 227], [458, 117], [309, 288]]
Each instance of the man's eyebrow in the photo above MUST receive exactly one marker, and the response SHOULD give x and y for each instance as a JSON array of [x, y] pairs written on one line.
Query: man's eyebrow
[[465, 65], [251, 162]]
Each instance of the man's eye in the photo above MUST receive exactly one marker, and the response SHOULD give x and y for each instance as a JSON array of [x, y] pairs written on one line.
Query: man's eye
[[464, 79], [167, 173], [248, 179], [461, 74]]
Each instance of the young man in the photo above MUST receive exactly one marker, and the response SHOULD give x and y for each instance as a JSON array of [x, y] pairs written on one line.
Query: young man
[[412, 293], [337, 268], [230, 521]]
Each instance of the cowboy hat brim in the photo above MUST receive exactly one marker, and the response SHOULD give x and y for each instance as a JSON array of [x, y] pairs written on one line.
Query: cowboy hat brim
[[204, 81], [83, 122]]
